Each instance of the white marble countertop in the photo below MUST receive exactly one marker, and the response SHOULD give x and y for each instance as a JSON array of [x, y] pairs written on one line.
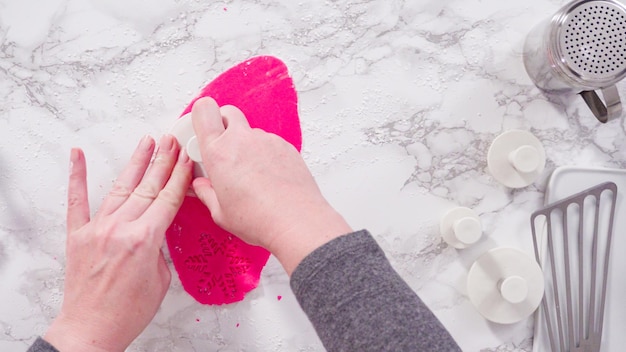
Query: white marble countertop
[[399, 102]]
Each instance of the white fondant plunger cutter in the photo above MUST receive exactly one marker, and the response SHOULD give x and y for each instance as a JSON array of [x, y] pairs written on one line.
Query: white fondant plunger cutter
[[516, 158], [514, 289], [186, 136], [505, 285], [193, 150], [460, 227]]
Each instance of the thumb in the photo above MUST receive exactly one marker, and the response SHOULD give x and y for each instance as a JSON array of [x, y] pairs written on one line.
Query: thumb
[[205, 191]]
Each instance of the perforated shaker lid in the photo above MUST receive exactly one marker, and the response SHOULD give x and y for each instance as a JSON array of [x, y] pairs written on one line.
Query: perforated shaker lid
[[591, 39]]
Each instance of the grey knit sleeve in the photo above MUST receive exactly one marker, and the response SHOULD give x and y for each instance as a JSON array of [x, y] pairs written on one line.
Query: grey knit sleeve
[[41, 345], [357, 302]]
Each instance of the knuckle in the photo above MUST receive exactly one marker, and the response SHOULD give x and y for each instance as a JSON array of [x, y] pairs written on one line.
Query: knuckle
[[76, 176], [257, 132], [227, 107], [180, 171], [112, 236], [146, 190], [74, 200], [162, 158], [107, 228], [119, 189], [169, 197], [138, 159], [135, 241], [275, 138]]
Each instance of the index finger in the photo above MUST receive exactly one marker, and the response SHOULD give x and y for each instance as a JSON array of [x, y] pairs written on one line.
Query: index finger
[[207, 120], [163, 209]]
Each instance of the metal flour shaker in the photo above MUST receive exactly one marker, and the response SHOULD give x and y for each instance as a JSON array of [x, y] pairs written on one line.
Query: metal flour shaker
[[581, 49]]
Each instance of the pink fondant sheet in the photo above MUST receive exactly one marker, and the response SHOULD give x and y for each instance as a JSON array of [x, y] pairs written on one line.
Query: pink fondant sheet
[[214, 266]]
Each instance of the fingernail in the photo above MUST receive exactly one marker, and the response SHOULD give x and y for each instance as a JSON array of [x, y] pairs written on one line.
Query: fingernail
[[145, 143], [167, 142], [73, 157], [183, 156]]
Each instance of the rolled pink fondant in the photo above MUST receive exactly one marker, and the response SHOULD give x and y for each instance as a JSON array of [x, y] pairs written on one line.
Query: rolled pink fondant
[[214, 266]]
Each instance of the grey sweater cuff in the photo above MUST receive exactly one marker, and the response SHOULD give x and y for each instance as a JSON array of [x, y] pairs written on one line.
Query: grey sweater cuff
[[41, 345]]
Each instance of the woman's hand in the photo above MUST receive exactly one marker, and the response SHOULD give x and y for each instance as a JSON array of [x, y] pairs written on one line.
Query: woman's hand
[[259, 187], [116, 276]]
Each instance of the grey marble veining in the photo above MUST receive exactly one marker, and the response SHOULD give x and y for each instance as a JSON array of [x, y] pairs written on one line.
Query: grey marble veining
[[399, 102]]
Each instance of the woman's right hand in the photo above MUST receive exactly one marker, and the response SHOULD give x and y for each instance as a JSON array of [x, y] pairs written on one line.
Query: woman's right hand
[[259, 188]]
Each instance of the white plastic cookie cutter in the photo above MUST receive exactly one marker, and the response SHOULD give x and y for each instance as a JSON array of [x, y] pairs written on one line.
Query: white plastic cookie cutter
[[505, 285], [186, 136], [460, 227], [516, 158]]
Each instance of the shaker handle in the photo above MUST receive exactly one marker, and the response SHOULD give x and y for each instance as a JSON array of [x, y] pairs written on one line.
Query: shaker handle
[[603, 112]]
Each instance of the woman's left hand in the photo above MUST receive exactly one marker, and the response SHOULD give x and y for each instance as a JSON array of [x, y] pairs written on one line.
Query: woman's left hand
[[116, 276]]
